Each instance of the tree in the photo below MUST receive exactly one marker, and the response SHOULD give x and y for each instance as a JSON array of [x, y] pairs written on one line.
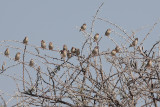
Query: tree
[[86, 76]]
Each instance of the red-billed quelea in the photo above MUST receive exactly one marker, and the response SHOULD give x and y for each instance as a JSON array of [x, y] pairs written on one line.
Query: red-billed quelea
[[113, 52], [96, 37], [117, 49], [95, 50], [134, 43], [43, 44], [63, 54], [77, 52], [73, 50], [6, 52], [107, 33], [25, 41], [17, 56], [65, 47], [50, 46], [69, 55], [31, 63], [83, 27], [149, 64]]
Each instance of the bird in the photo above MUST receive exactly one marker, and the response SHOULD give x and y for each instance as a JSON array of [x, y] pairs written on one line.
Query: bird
[[65, 47], [63, 54], [31, 63], [17, 56], [73, 50], [113, 52], [134, 43], [50, 46], [6, 52], [95, 50], [43, 44], [83, 27], [117, 49], [96, 37], [77, 52], [25, 41], [149, 63], [107, 33], [69, 55]]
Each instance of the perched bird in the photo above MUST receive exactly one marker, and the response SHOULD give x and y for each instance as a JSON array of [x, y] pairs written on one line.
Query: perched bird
[[43, 44], [96, 37], [63, 54], [134, 43], [149, 64], [73, 50], [117, 49], [25, 41], [77, 52], [69, 55], [6, 52], [17, 57], [107, 33], [50, 46], [65, 47], [95, 50], [83, 27], [113, 52], [31, 63]]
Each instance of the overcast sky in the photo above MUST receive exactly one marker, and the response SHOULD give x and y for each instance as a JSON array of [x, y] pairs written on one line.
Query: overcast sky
[[57, 20]]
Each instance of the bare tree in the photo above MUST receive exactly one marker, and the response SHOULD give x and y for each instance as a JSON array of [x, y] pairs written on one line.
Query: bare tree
[[125, 76]]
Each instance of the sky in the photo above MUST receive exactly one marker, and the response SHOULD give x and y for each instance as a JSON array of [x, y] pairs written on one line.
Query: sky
[[58, 21]]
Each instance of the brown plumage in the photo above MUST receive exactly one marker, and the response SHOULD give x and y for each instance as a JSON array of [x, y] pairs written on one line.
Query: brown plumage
[[6, 52], [113, 52], [96, 37], [77, 52], [69, 55], [95, 50], [25, 41], [65, 47], [50, 46], [83, 27], [73, 50], [107, 33], [31, 63], [134, 43], [117, 49], [17, 56], [149, 64], [43, 44], [63, 54]]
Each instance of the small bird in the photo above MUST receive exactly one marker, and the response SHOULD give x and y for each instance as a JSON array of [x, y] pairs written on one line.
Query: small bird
[[117, 49], [63, 54], [69, 55], [96, 37], [149, 64], [2, 67], [17, 57], [113, 52], [65, 47], [43, 44], [77, 52], [31, 63], [6, 52], [25, 41], [83, 27], [95, 50], [107, 33], [134, 43], [50, 46], [73, 50]]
